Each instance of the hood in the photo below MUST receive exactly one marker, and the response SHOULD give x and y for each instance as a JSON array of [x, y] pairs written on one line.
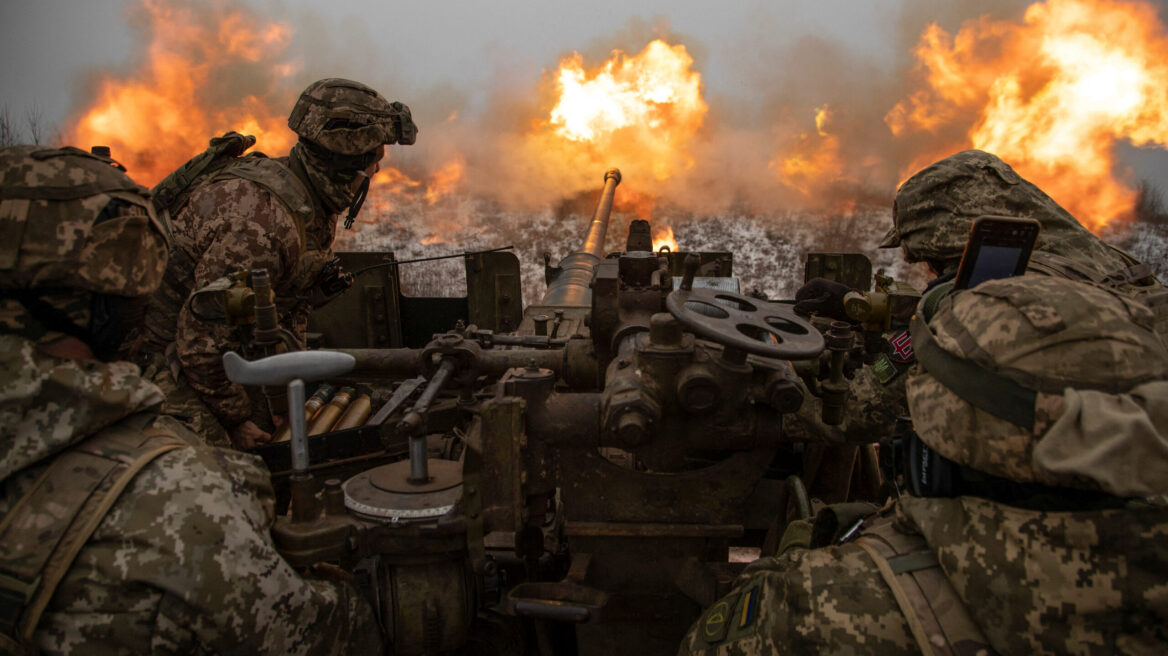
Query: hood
[[47, 404], [1036, 582]]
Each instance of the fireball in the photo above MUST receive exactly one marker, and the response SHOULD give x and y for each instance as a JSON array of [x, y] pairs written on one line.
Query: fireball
[[639, 113], [173, 104], [1052, 96]]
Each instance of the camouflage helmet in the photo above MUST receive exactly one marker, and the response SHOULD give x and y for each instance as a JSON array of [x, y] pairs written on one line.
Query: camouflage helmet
[[935, 208], [349, 118], [1041, 379], [71, 226]]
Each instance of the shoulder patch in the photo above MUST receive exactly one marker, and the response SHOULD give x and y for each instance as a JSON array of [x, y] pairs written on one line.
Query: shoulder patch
[[900, 350], [716, 622], [749, 608], [884, 369]]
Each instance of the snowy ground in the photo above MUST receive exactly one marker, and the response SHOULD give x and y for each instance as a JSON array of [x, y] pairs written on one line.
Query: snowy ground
[[769, 250]]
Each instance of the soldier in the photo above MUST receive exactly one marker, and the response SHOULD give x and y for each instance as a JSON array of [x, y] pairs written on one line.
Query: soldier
[[119, 530], [1036, 522], [255, 212], [932, 215]]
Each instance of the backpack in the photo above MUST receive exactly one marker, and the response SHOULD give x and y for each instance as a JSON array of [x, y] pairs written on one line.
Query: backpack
[[1135, 281], [172, 193]]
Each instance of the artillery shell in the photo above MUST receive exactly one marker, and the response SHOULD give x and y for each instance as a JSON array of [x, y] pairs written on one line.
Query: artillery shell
[[359, 410]]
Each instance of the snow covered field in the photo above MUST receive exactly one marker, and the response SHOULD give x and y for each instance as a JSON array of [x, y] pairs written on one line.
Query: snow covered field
[[769, 250]]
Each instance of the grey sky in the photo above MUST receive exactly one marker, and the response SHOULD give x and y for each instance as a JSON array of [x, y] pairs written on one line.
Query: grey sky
[[46, 45]]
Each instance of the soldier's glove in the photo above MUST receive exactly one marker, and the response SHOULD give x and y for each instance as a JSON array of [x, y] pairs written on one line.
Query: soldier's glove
[[822, 296]]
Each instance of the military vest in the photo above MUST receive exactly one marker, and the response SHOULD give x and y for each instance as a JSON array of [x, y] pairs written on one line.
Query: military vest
[[222, 161], [937, 617], [46, 528]]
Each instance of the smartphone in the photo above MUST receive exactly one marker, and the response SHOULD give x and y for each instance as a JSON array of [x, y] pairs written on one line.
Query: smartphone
[[998, 247]]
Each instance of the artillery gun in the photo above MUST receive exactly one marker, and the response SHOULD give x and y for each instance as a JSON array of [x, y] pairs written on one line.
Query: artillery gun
[[602, 451]]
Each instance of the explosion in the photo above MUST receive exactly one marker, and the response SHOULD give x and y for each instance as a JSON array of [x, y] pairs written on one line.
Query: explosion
[[168, 110], [814, 157], [664, 239], [637, 113], [182, 95], [1051, 96]]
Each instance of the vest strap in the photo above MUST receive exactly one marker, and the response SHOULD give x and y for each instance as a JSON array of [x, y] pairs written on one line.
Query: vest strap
[[46, 529], [936, 616]]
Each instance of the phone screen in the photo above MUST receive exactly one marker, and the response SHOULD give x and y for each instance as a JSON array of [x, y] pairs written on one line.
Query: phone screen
[[998, 247], [994, 262]]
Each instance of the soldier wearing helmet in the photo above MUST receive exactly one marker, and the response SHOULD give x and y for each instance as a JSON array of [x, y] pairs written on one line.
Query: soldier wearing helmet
[[1035, 515], [932, 215], [119, 530], [255, 212]]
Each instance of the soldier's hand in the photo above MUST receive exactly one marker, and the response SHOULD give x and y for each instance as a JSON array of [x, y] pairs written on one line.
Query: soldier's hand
[[247, 435], [822, 296]]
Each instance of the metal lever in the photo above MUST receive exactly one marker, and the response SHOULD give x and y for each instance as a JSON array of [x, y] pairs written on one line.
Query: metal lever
[[419, 465], [292, 369], [286, 367]]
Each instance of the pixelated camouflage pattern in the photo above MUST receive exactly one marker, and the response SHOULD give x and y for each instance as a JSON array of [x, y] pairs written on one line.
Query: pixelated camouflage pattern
[[819, 601], [70, 220], [50, 236], [335, 98], [1048, 335], [183, 563], [1081, 582], [935, 208], [44, 401], [333, 192], [184, 404], [869, 416], [227, 225]]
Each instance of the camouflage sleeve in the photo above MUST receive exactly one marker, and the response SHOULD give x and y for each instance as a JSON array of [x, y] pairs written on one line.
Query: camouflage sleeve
[[242, 226], [822, 601], [869, 416], [184, 563]]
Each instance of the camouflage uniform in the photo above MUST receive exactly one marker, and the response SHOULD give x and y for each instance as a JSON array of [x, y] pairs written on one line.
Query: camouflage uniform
[[181, 561], [276, 214], [932, 215], [1059, 571]]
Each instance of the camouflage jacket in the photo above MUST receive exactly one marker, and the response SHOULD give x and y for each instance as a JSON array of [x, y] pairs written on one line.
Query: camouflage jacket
[[183, 562], [877, 399], [870, 415], [232, 224], [1084, 582]]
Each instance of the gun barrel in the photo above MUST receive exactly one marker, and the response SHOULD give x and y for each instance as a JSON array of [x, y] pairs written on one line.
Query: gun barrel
[[570, 286]]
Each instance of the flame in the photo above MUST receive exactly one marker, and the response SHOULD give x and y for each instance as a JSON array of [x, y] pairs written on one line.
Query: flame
[[389, 186], [813, 158], [1052, 96], [639, 113], [664, 238], [445, 180], [167, 110]]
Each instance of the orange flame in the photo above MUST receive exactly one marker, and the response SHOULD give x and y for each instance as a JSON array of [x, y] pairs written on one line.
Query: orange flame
[[1051, 96], [445, 180], [813, 158], [166, 112], [664, 238], [639, 113]]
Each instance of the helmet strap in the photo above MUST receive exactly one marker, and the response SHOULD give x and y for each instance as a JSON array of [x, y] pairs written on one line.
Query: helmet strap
[[358, 200]]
